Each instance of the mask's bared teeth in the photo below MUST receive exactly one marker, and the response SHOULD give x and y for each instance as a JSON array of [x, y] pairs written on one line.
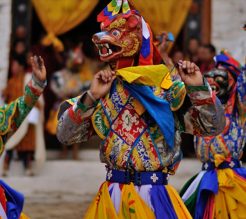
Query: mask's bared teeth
[[104, 55]]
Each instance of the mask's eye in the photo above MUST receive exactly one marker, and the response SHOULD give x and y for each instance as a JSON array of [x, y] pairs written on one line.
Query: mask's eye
[[219, 79], [115, 33]]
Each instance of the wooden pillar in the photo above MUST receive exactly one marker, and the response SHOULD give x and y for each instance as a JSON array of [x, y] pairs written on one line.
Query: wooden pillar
[[5, 33], [206, 21]]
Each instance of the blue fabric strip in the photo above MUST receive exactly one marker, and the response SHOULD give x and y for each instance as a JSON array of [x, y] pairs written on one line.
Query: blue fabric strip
[[241, 172], [227, 61], [159, 109], [145, 49], [208, 185], [106, 12], [161, 203], [15, 201]]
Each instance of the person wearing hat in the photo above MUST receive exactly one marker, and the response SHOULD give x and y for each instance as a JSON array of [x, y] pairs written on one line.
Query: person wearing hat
[[219, 190]]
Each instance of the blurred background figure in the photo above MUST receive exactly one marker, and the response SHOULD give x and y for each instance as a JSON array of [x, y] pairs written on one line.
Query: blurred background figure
[[19, 50], [192, 50], [71, 81], [21, 32], [177, 55], [66, 83], [205, 59]]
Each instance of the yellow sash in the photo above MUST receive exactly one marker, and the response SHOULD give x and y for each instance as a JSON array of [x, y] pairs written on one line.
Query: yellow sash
[[132, 206], [231, 199], [151, 75]]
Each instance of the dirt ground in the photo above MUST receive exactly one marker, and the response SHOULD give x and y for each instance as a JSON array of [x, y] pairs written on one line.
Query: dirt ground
[[59, 210], [53, 205]]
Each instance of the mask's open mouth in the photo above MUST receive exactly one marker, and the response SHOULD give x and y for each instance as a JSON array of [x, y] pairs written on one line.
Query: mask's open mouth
[[107, 50], [215, 87]]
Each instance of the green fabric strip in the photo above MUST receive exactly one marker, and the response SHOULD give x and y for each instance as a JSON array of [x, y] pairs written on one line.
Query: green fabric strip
[[191, 89]]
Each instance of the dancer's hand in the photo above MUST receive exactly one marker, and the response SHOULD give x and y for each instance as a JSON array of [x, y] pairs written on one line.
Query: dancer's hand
[[162, 47], [163, 42], [38, 68], [190, 73], [101, 83]]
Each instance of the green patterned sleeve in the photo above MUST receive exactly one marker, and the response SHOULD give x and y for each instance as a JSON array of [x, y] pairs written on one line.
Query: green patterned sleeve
[[25, 103], [74, 121], [13, 114]]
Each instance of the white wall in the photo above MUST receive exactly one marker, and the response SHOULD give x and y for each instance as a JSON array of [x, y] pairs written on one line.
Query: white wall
[[228, 18], [5, 31]]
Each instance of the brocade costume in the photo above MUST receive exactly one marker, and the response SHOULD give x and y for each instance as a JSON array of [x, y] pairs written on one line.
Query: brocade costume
[[139, 122], [219, 190], [132, 141], [11, 117]]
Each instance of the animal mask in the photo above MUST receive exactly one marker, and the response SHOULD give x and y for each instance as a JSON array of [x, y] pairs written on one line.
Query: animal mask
[[126, 39], [122, 38], [223, 78], [219, 82]]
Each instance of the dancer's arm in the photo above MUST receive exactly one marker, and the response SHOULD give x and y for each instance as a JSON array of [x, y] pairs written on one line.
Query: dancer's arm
[[74, 118], [205, 116], [33, 90], [13, 114]]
